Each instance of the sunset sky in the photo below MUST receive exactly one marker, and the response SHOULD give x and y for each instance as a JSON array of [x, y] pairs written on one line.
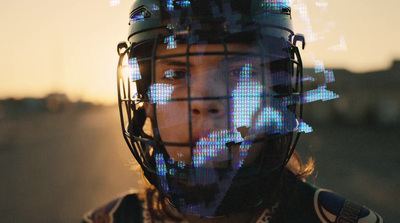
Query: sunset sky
[[70, 46]]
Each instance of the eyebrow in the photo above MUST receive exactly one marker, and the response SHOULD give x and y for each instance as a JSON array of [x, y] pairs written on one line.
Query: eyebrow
[[172, 62]]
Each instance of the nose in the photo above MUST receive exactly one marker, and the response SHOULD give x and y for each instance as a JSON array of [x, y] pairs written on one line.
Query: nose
[[207, 91], [208, 108]]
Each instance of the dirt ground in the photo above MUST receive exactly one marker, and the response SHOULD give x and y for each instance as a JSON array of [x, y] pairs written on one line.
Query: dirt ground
[[57, 166]]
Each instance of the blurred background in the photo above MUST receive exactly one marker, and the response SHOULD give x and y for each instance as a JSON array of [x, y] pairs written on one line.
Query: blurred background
[[61, 148]]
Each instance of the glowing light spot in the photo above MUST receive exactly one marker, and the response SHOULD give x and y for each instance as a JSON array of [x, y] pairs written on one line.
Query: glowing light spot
[[319, 66], [170, 26], [161, 171], [181, 164], [329, 77], [114, 2], [171, 42], [303, 127], [172, 172], [134, 72], [155, 8], [169, 73], [160, 93], [170, 5], [213, 147], [308, 78], [246, 98], [275, 5], [138, 17], [183, 3], [319, 94]]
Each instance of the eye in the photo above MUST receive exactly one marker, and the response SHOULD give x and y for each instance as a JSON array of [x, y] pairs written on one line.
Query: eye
[[172, 75], [235, 73]]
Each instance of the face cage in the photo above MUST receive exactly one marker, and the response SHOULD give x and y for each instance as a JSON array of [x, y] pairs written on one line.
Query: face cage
[[128, 101]]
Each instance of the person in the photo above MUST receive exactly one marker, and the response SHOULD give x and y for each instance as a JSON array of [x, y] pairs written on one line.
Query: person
[[210, 96]]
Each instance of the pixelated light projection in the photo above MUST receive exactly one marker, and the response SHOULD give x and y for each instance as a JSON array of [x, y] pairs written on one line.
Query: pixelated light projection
[[213, 147], [133, 68], [155, 8], [238, 160], [161, 171], [308, 78], [169, 73], [171, 42], [321, 93], [329, 77], [170, 5], [138, 17], [322, 4], [246, 98], [271, 119], [275, 5], [319, 66], [160, 93], [183, 4], [114, 2], [303, 127]]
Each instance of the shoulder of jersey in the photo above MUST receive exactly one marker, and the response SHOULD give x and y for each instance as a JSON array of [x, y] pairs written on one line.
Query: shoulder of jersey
[[332, 208], [125, 207]]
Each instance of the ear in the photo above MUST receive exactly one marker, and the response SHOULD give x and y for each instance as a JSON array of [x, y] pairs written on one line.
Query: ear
[[149, 109]]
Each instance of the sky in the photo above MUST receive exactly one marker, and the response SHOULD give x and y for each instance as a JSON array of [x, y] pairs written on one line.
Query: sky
[[70, 46]]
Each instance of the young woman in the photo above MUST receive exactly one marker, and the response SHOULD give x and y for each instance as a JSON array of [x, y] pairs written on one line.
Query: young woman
[[211, 107]]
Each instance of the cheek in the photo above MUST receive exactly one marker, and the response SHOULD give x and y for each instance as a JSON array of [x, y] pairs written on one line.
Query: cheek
[[172, 121]]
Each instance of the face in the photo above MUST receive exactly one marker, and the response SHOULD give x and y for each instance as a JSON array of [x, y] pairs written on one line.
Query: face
[[224, 116]]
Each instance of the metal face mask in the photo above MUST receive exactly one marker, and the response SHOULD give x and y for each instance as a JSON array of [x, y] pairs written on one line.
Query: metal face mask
[[208, 99]]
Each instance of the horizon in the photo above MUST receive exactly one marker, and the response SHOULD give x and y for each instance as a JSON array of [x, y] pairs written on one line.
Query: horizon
[[115, 100], [71, 47]]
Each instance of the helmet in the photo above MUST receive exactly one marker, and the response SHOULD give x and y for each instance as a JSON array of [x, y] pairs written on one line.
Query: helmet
[[210, 97]]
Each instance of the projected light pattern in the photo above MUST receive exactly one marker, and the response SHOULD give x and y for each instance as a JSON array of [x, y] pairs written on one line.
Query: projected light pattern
[[170, 26], [134, 72], [246, 98], [161, 171], [138, 17], [319, 94], [154, 8], [271, 119], [242, 154], [275, 5], [160, 93], [170, 5], [303, 127], [169, 73], [329, 77], [181, 164], [319, 66], [114, 2], [213, 147], [171, 42], [308, 78], [183, 3]]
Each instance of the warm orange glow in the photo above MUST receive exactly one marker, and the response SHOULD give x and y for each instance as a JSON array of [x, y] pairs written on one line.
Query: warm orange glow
[[71, 48]]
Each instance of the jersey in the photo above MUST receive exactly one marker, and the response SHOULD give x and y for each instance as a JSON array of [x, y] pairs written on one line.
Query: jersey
[[308, 204]]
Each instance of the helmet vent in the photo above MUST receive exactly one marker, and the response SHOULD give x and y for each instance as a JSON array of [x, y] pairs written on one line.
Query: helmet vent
[[139, 14]]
